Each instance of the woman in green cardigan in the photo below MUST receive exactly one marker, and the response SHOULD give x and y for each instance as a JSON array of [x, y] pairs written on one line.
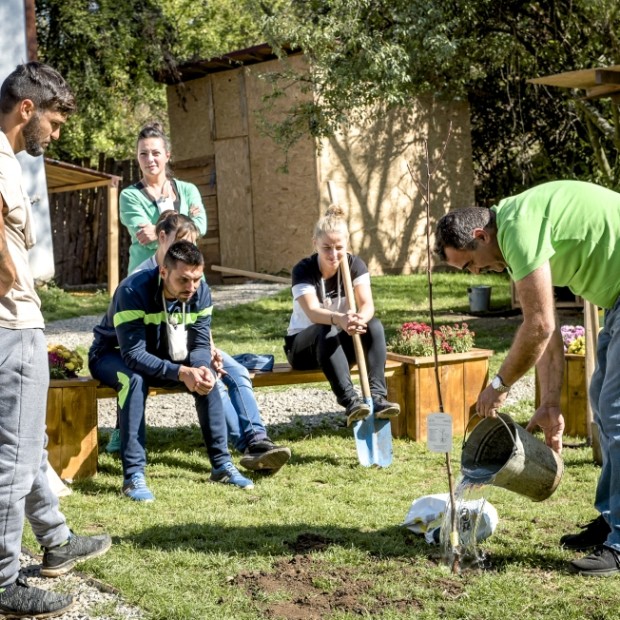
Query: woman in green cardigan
[[157, 191]]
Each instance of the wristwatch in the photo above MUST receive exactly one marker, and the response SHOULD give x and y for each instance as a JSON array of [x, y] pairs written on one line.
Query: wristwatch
[[498, 385]]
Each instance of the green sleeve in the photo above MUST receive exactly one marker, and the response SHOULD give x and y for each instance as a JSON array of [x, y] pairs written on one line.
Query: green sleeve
[[135, 209], [192, 198]]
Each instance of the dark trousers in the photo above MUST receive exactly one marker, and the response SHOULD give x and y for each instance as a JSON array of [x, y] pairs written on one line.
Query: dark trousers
[[318, 346], [132, 389]]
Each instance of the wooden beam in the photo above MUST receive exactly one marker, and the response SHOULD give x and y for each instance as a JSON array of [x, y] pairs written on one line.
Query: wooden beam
[[604, 90], [71, 188], [582, 78], [604, 76], [251, 274]]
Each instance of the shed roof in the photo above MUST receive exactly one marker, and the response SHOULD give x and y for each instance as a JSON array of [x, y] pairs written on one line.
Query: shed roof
[[195, 69], [64, 177]]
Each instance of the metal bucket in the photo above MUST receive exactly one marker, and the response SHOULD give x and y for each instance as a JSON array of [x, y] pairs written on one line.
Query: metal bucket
[[500, 452], [479, 298]]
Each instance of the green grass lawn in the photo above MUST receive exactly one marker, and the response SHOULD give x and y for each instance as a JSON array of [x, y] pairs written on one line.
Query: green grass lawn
[[322, 538], [323, 535]]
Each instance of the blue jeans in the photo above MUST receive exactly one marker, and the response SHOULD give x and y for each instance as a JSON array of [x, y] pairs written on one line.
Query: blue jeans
[[605, 399], [240, 407], [24, 489], [132, 389]]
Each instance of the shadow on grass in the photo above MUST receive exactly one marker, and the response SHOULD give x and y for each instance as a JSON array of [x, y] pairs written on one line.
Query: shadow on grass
[[273, 539], [178, 447], [189, 438]]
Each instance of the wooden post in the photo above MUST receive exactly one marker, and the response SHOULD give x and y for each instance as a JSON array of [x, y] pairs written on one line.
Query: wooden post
[[113, 236], [592, 329]]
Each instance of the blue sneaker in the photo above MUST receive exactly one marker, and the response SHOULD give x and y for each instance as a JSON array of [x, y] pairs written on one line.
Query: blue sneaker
[[229, 474], [114, 443], [135, 488]]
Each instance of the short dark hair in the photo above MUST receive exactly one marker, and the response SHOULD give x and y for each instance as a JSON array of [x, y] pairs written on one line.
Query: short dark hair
[[185, 252], [47, 89], [454, 229]]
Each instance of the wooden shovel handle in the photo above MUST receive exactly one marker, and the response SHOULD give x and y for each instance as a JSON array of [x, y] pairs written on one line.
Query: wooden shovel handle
[[357, 341]]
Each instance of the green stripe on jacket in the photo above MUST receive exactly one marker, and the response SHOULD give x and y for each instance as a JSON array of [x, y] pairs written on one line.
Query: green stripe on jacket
[[157, 318]]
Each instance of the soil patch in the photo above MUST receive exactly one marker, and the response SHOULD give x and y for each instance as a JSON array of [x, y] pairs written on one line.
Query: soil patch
[[307, 588]]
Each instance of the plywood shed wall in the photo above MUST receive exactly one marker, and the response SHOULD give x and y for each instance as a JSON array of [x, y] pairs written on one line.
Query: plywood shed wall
[[367, 170], [260, 218]]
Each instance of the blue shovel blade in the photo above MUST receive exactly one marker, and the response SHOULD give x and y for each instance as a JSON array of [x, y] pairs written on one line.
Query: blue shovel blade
[[373, 440]]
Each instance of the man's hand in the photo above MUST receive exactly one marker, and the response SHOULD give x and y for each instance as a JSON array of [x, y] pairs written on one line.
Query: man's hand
[[217, 362], [489, 402], [551, 421], [200, 380]]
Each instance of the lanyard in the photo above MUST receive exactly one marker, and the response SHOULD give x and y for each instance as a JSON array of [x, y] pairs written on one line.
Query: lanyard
[[174, 324], [325, 299]]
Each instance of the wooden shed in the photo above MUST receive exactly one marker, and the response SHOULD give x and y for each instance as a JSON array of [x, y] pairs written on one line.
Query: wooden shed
[[260, 218], [64, 177]]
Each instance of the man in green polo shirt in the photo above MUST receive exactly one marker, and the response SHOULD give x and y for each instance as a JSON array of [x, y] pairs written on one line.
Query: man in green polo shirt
[[563, 233]]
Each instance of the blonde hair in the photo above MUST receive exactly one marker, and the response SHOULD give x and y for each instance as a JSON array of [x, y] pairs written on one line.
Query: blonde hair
[[334, 221]]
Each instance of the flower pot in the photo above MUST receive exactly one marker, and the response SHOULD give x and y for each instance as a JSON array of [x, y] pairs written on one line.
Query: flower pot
[[72, 427], [462, 377], [574, 398]]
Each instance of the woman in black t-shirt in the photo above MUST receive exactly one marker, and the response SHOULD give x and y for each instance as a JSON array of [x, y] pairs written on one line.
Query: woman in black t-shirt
[[321, 326]]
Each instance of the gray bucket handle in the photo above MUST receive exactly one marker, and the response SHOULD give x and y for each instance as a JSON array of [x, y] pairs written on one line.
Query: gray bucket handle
[[513, 437]]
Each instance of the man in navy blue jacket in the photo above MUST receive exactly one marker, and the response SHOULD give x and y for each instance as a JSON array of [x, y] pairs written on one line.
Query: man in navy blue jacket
[[156, 332]]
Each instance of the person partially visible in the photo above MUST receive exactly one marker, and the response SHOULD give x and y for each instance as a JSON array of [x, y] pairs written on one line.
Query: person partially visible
[[157, 332], [35, 102], [246, 430], [322, 325], [561, 233], [157, 191]]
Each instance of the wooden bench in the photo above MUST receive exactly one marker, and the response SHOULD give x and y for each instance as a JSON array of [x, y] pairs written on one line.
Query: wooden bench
[[72, 423], [72, 404], [281, 375]]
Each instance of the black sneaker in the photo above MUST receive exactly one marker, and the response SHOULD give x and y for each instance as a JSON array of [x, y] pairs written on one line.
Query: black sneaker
[[61, 559], [19, 600], [357, 409], [593, 534], [264, 455], [384, 409], [603, 562]]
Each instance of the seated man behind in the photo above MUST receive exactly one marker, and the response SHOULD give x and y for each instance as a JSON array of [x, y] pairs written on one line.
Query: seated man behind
[[157, 332]]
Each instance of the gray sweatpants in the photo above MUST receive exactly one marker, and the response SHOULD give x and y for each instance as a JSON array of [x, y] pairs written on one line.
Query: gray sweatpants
[[24, 489]]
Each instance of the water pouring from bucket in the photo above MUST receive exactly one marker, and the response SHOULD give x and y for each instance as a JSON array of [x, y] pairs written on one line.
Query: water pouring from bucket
[[500, 452], [458, 534]]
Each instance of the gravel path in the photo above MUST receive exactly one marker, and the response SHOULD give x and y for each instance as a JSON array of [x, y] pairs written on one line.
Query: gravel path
[[293, 406]]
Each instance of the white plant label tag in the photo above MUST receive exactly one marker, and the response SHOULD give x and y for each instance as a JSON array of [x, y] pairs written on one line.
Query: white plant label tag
[[439, 432]]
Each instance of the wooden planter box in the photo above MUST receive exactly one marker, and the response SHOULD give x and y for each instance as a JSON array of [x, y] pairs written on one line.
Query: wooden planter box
[[574, 398], [72, 427], [462, 376]]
